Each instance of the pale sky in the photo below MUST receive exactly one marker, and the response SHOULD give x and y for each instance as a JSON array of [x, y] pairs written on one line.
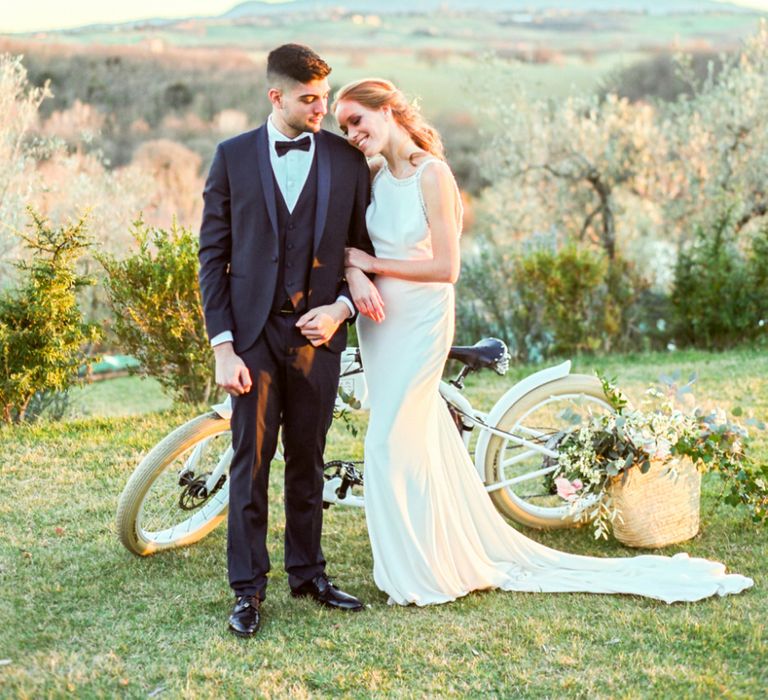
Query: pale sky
[[30, 15]]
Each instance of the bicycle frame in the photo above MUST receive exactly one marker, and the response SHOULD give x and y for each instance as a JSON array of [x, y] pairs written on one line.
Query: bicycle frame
[[514, 394], [352, 384], [180, 491]]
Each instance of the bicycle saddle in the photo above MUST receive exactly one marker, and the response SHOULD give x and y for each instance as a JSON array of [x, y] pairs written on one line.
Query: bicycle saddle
[[486, 353]]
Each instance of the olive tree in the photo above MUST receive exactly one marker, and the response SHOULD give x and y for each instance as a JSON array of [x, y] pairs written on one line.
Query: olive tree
[[19, 104], [718, 144]]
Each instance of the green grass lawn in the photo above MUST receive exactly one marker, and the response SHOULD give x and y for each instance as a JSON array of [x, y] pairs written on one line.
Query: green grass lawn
[[81, 616], [122, 396]]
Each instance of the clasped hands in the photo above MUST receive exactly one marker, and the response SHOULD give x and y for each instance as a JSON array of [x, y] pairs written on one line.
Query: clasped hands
[[364, 293], [317, 325]]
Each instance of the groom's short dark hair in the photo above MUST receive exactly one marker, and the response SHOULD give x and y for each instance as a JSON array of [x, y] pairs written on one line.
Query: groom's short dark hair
[[296, 62]]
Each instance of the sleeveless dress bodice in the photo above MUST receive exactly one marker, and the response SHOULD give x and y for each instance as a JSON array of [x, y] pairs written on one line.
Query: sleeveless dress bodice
[[396, 217]]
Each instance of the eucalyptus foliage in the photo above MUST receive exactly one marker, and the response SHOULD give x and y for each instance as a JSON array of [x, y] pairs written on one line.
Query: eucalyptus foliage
[[608, 446]]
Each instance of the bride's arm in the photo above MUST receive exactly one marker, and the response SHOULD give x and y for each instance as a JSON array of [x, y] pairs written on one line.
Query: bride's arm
[[364, 294], [440, 200]]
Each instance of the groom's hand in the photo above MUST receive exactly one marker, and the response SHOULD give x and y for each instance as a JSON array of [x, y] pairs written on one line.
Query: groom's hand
[[319, 324], [231, 373]]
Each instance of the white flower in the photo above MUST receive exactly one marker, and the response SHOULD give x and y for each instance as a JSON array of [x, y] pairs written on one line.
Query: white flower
[[663, 449]]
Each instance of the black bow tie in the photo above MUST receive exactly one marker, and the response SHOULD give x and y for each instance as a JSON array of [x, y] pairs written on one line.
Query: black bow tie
[[282, 147]]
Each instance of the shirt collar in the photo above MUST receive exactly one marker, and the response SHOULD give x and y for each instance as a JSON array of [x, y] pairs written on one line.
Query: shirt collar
[[276, 135]]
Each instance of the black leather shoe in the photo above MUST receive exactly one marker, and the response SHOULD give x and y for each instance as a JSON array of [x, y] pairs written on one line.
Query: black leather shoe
[[246, 617], [324, 592]]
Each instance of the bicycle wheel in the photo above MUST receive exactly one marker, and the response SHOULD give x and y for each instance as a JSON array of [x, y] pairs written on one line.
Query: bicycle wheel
[[165, 503], [527, 495]]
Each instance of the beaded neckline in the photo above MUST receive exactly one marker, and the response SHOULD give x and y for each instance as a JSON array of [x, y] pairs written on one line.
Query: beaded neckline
[[405, 180]]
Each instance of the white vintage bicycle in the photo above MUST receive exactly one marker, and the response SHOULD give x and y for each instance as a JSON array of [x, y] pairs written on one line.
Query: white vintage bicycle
[[180, 491]]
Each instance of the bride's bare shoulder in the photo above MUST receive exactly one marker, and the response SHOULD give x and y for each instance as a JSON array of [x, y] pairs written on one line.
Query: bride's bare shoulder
[[375, 164]]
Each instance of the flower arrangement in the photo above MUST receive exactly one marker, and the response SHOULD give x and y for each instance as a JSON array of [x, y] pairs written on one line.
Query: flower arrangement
[[606, 447]]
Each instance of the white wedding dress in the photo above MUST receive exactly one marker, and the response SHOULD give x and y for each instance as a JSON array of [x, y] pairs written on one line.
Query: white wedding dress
[[434, 531]]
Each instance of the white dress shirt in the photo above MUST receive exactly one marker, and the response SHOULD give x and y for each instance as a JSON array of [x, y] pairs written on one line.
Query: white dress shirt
[[291, 171], [292, 168]]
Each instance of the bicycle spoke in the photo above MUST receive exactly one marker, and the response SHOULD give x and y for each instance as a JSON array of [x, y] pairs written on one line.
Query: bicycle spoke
[[162, 517], [521, 466], [528, 476], [517, 458], [533, 432]]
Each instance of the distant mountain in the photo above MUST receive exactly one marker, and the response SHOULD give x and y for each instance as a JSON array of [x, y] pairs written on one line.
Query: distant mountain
[[259, 8]]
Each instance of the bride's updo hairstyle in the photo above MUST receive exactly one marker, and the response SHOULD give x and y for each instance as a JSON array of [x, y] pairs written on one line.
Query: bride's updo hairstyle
[[375, 93]]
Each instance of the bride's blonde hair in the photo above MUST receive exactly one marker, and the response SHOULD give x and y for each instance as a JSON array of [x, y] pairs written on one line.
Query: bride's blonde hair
[[375, 93]]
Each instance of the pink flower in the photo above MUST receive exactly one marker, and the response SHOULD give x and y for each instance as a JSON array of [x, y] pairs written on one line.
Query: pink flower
[[567, 490]]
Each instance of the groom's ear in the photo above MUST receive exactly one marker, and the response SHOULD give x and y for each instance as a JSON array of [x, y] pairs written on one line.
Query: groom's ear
[[275, 96]]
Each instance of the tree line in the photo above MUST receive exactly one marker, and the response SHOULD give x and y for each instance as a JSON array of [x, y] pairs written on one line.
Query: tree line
[[606, 221]]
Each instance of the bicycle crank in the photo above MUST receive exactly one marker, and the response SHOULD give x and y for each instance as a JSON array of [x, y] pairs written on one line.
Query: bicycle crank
[[340, 476], [194, 493]]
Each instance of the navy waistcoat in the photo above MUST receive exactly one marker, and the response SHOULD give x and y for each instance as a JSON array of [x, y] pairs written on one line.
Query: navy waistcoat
[[295, 231]]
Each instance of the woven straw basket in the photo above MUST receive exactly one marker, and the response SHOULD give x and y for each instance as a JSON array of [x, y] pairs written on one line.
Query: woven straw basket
[[655, 509]]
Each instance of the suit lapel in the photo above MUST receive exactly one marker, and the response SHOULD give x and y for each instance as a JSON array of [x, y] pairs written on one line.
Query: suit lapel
[[265, 175], [323, 187]]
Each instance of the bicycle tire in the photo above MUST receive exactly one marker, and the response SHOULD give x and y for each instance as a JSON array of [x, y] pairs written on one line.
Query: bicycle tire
[[193, 525], [545, 510]]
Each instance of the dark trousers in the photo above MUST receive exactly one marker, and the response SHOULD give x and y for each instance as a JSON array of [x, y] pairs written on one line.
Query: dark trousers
[[294, 385]]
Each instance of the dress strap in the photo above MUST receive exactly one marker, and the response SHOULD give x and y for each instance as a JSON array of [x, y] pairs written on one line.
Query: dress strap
[[459, 213], [378, 174], [424, 163]]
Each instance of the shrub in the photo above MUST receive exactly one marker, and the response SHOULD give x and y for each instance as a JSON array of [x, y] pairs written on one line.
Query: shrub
[[562, 296], [42, 334], [547, 301], [662, 77], [485, 294], [720, 294], [158, 316]]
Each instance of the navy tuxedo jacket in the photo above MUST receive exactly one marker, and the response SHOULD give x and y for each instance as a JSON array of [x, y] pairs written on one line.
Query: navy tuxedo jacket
[[239, 234]]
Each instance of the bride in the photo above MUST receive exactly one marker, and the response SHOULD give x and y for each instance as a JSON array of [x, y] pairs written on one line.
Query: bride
[[434, 531]]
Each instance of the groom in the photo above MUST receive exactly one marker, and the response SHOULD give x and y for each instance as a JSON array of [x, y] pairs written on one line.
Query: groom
[[281, 204]]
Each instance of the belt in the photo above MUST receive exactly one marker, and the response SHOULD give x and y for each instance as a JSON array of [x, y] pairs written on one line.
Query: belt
[[286, 309]]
